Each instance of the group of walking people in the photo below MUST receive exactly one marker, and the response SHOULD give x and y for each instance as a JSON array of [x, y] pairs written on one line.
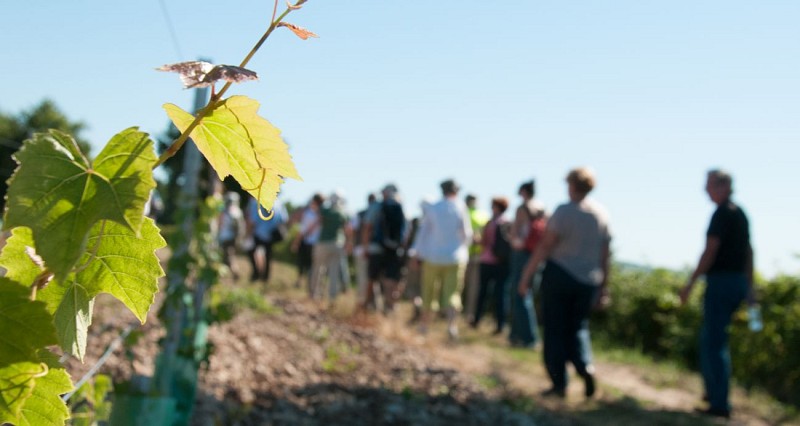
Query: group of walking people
[[456, 258]]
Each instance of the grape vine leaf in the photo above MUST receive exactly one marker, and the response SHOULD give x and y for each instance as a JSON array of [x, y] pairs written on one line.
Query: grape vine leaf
[[25, 327], [239, 143], [116, 261], [18, 265], [71, 305], [60, 195], [72, 316], [203, 74], [301, 32], [125, 265], [17, 383], [45, 407], [122, 265]]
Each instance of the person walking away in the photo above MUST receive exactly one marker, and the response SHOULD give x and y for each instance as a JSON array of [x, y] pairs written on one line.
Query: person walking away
[[413, 289], [231, 229], [727, 263], [442, 246], [576, 249], [335, 237], [306, 238], [360, 260], [472, 275], [524, 326], [385, 226], [495, 252], [265, 229]]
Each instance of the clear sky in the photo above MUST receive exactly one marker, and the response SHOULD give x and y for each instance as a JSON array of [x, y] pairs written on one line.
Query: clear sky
[[649, 94]]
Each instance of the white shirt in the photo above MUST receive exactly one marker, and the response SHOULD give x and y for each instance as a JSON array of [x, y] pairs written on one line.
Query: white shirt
[[445, 233]]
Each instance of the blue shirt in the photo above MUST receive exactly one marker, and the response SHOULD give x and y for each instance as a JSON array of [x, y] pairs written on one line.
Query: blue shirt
[[262, 229]]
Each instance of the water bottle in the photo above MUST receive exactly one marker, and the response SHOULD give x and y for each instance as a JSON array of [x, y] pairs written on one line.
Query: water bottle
[[754, 318]]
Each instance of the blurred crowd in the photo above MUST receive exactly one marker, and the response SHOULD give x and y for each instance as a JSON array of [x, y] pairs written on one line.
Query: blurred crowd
[[458, 261]]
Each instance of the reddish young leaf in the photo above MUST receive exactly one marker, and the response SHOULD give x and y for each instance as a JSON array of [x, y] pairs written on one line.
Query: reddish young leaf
[[203, 74], [298, 31], [229, 73], [191, 73]]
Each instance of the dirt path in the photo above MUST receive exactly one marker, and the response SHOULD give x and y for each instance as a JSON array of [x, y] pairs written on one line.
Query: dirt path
[[649, 397], [310, 365]]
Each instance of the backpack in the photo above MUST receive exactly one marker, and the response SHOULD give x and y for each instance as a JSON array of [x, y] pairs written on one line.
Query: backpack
[[392, 221], [501, 247]]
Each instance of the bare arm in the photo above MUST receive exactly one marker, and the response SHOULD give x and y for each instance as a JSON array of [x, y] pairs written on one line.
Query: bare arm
[[348, 237], [520, 217], [366, 235], [605, 263], [466, 228], [542, 252], [751, 292], [703, 265]]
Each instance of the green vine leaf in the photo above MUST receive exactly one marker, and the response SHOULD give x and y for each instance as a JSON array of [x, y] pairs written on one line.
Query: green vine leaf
[[25, 327], [72, 316], [239, 143], [18, 265], [60, 195], [123, 265], [70, 305], [45, 405], [17, 382]]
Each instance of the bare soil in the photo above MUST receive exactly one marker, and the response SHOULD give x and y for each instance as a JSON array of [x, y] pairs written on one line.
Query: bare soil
[[312, 364]]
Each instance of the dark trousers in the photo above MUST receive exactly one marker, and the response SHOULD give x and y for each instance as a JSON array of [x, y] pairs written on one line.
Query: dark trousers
[[725, 291], [566, 304], [304, 258], [492, 279], [260, 275], [524, 328]]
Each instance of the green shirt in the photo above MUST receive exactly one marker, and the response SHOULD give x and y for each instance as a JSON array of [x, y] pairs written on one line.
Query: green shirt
[[478, 220], [332, 223]]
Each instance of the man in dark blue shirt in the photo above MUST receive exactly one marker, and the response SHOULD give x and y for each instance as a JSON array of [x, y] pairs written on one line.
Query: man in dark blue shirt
[[727, 263]]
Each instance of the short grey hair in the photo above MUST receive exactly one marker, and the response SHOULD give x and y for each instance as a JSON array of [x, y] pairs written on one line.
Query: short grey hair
[[721, 177]]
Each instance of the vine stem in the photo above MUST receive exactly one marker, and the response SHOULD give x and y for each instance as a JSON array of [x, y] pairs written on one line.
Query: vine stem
[[109, 351], [212, 103]]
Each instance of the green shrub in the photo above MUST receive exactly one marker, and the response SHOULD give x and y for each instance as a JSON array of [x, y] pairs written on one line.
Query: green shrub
[[227, 302], [770, 359], [646, 315]]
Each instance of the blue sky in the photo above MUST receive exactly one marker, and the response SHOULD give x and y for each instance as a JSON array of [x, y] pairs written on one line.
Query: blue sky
[[649, 94]]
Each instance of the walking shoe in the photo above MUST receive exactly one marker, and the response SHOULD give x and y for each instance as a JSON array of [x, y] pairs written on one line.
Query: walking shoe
[[452, 333], [589, 389], [555, 392], [714, 412]]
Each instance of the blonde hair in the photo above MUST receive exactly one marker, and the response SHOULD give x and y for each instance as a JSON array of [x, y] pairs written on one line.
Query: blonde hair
[[582, 179]]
